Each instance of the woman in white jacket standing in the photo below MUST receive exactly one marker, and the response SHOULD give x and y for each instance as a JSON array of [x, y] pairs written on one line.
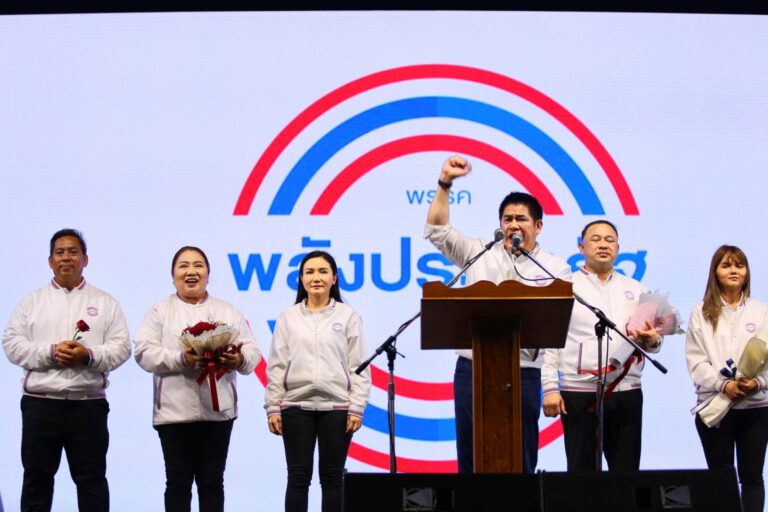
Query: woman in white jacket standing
[[193, 419], [718, 331], [313, 394]]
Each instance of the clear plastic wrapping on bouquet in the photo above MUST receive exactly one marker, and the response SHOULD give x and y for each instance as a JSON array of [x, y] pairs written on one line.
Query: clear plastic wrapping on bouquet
[[655, 309]]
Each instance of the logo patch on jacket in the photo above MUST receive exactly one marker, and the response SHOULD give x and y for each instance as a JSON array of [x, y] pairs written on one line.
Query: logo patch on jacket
[[92, 311]]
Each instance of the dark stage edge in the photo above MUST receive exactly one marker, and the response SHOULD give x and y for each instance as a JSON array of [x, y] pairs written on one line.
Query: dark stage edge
[[647, 491]]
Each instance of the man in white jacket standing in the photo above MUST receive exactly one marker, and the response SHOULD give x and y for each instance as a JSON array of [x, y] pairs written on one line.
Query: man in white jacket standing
[[520, 214], [572, 394], [67, 336]]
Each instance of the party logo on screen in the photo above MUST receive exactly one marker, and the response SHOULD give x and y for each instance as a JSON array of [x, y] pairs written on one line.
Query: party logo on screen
[[322, 156]]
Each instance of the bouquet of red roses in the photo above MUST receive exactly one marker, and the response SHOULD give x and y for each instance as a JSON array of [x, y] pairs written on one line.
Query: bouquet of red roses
[[210, 340]]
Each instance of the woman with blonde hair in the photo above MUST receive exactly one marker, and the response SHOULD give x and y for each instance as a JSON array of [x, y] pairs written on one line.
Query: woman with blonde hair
[[718, 331]]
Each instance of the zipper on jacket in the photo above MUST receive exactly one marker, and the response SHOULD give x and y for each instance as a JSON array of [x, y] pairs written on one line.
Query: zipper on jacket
[[346, 375], [285, 377]]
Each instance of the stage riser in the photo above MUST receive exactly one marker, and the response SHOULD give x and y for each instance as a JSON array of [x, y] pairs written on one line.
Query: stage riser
[[641, 491]]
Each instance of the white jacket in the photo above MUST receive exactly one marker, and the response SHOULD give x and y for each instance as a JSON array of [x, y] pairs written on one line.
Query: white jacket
[[48, 316], [178, 398], [706, 352], [497, 265], [313, 359], [617, 298]]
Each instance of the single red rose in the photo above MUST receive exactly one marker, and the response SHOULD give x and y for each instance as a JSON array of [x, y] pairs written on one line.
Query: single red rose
[[200, 327], [82, 326]]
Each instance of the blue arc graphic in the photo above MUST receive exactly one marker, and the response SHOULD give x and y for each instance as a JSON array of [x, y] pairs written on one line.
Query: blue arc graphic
[[410, 427], [435, 106]]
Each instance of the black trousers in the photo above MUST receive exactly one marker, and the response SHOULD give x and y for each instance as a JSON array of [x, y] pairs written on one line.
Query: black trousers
[[530, 392], [622, 430], [79, 427], [301, 430], [747, 431], [196, 452]]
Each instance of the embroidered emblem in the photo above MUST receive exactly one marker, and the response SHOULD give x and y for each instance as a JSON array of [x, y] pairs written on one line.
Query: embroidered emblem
[[629, 295], [750, 327], [337, 327], [92, 311]]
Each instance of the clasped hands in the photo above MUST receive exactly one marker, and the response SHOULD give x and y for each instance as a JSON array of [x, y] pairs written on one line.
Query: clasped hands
[[70, 353]]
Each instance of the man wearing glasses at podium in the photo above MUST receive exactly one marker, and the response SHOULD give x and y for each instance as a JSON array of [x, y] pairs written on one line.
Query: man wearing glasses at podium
[[520, 218]]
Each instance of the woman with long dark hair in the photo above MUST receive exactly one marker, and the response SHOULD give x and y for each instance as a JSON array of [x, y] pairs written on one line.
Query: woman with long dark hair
[[718, 331], [314, 395]]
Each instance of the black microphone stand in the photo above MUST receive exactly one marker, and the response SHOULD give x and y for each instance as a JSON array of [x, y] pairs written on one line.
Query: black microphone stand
[[389, 346], [601, 329]]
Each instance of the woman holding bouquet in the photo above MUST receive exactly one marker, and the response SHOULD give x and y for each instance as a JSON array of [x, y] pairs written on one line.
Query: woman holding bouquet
[[314, 394], [718, 331], [193, 411]]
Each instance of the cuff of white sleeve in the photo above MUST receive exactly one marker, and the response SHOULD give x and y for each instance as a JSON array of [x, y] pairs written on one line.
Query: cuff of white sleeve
[[356, 411]]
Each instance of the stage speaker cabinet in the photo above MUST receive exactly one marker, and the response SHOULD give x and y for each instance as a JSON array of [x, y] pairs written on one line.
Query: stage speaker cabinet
[[642, 491], [384, 492], [636, 491]]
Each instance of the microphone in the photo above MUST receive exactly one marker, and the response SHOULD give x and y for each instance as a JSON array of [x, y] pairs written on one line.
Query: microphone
[[498, 236], [517, 240]]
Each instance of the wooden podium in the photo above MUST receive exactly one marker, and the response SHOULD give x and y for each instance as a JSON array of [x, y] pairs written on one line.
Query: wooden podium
[[496, 321]]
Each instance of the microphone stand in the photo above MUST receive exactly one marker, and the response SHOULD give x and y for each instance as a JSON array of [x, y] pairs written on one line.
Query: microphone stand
[[601, 328], [389, 346]]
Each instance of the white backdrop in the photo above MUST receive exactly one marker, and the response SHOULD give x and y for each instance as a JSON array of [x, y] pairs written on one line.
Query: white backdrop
[[142, 130]]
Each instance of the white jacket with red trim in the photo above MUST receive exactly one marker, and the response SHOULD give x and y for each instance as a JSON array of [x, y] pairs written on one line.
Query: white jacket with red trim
[[48, 316], [313, 359], [178, 398], [577, 362]]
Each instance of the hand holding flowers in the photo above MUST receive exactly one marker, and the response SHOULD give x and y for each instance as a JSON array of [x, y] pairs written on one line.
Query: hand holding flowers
[[211, 347], [72, 353]]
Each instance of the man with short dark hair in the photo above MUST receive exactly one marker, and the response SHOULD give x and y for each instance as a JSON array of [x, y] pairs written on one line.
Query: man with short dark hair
[[571, 393], [67, 336], [519, 214]]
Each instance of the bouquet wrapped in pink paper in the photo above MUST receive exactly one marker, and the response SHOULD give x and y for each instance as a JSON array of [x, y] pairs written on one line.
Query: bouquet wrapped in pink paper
[[655, 309], [210, 340]]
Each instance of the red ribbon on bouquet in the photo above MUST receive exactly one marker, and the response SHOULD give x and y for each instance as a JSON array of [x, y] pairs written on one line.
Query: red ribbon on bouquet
[[210, 371]]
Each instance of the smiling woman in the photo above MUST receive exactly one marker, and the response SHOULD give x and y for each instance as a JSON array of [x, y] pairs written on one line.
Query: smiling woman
[[193, 417], [718, 332]]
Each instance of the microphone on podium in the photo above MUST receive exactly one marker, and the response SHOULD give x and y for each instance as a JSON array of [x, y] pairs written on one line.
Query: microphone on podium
[[517, 240], [498, 236]]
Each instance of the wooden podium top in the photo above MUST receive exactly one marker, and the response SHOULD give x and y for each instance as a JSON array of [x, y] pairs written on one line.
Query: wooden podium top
[[542, 313]]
